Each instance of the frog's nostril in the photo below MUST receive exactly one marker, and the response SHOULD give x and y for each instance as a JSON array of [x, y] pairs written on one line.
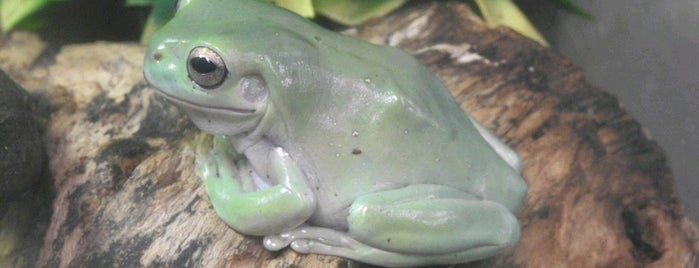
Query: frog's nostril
[[157, 56]]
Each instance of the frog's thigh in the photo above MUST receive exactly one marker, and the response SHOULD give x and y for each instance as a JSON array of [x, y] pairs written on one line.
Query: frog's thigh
[[432, 220]]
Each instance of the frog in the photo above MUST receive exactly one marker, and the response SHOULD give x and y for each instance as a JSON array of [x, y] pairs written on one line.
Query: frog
[[328, 144]]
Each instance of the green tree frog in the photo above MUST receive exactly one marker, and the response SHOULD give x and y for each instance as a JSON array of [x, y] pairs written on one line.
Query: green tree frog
[[332, 145]]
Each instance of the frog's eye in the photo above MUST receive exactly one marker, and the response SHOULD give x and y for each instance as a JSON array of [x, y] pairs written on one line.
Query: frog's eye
[[206, 67]]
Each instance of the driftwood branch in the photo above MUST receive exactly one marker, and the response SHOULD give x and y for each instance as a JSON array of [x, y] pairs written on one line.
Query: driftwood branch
[[601, 192]]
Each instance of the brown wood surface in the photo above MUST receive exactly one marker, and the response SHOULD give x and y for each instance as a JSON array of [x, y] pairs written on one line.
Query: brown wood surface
[[600, 191]]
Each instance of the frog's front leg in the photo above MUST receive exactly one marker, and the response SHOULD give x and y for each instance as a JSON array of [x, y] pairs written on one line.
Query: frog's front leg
[[412, 226], [279, 208]]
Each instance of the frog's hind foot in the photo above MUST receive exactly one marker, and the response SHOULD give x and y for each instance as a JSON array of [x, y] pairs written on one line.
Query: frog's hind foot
[[324, 241], [301, 239], [316, 240]]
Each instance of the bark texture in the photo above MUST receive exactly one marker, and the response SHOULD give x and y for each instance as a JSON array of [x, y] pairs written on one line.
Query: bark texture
[[600, 191]]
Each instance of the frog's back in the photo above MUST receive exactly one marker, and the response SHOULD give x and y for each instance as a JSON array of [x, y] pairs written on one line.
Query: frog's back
[[383, 121]]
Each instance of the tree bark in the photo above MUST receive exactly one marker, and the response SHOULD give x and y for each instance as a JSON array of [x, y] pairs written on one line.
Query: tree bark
[[600, 191]]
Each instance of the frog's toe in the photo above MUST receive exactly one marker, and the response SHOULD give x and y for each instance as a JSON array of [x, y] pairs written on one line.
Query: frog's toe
[[276, 242], [312, 240], [302, 245], [313, 246], [351, 250]]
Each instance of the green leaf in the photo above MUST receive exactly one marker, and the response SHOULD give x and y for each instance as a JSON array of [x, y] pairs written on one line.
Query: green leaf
[[141, 2], [301, 7], [506, 13], [161, 13], [570, 6], [14, 11], [354, 12]]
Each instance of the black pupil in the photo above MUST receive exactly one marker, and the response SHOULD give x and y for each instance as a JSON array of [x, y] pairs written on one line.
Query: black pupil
[[202, 65]]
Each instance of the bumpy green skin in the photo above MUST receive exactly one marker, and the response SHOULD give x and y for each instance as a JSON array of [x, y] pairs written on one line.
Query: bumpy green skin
[[345, 148]]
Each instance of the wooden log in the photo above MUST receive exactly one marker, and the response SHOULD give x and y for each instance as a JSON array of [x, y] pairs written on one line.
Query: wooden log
[[601, 193]]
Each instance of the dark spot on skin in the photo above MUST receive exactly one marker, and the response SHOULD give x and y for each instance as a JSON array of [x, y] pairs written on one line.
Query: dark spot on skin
[[388, 240], [356, 151], [335, 194], [157, 56], [317, 188], [317, 38]]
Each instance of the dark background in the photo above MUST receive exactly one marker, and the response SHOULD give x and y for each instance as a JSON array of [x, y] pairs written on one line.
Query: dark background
[[646, 52]]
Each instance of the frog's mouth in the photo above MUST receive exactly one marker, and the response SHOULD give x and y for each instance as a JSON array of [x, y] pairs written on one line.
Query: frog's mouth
[[191, 105]]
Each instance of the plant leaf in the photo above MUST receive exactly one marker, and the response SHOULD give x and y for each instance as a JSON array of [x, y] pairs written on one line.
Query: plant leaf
[[506, 13], [140, 2], [301, 7], [570, 6], [14, 11], [354, 12], [161, 12]]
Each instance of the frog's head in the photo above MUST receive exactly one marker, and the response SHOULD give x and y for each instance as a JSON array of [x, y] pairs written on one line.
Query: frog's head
[[225, 62], [195, 63]]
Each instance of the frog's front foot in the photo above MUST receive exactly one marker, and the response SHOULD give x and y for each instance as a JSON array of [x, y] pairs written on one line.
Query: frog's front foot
[[249, 209]]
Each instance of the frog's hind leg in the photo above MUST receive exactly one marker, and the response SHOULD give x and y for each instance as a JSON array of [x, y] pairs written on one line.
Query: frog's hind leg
[[412, 226]]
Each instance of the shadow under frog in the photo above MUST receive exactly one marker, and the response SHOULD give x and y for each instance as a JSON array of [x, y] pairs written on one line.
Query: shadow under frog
[[333, 145]]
